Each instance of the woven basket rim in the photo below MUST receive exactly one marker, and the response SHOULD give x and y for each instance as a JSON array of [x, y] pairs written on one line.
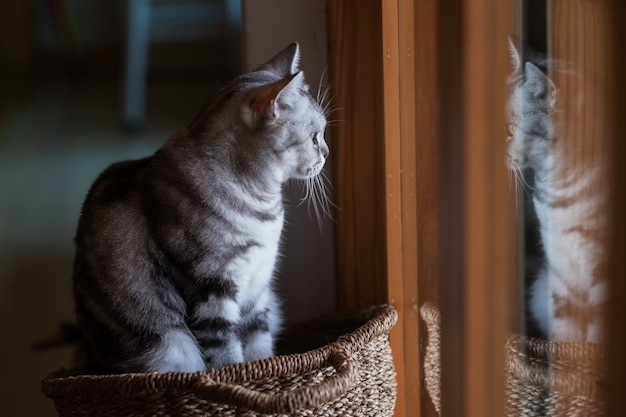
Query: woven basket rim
[[62, 383], [584, 352], [544, 377], [570, 368]]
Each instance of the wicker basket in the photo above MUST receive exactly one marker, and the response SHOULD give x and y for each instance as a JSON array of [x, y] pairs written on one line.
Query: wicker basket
[[351, 376], [544, 378], [432, 356], [554, 379]]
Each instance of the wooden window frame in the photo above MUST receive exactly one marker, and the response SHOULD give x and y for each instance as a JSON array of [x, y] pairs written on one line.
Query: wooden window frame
[[425, 208]]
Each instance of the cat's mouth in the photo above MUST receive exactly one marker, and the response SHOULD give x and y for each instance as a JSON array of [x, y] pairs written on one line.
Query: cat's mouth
[[315, 169], [311, 171], [511, 162]]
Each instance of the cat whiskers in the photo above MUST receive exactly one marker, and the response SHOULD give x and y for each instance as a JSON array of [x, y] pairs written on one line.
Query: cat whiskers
[[325, 101], [319, 88], [316, 194], [516, 174], [316, 188]]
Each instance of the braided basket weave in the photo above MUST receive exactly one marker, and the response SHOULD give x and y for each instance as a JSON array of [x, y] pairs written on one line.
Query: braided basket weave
[[350, 376], [544, 378], [554, 379]]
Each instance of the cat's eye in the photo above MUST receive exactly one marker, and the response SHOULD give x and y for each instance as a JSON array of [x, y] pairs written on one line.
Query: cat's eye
[[315, 140]]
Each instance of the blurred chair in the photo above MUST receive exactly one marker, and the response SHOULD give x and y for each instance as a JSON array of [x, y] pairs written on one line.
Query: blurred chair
[[162, 21]]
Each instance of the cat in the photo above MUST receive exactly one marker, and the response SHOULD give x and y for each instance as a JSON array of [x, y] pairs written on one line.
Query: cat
[[175, 253], [569, 293]]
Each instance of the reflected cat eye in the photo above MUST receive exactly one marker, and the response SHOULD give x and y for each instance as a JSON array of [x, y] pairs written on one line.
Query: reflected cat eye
[[511, 128]]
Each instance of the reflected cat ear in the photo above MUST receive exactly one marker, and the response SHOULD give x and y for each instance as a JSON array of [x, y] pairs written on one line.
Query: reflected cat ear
[[538, 84], [515, 56], [263, 105], [285, 63]]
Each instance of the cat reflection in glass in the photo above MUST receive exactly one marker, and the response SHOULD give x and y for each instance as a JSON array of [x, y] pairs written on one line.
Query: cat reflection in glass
[[569, 292]]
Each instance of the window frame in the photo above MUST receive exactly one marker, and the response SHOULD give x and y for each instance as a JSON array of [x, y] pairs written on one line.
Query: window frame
[[419, 211]]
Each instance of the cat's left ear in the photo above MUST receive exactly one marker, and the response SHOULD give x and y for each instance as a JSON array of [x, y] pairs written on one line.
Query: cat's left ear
[[263, 106], [285, 63]]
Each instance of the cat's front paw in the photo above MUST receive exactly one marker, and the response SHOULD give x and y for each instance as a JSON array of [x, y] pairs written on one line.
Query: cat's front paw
[[259, 346], [223, 356]]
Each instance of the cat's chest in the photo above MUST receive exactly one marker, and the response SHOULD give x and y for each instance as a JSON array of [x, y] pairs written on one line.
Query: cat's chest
[[261, 228], [252, 268], [249, 241]]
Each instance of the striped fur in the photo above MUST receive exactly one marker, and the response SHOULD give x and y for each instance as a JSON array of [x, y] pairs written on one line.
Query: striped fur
[[175, 253], [568, 295]]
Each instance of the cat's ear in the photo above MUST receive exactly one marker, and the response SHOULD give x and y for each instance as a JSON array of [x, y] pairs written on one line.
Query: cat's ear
[[516, 59], [285, 63], [538, 84], [263, 105]]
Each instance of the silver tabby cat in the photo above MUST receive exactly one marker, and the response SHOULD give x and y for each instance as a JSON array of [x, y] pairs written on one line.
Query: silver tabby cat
[[569, 197], [175, 253]]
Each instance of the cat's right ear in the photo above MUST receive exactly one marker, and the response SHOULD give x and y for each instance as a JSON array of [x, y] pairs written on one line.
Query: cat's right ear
[[539, 85], [263, 104], [285, 63]]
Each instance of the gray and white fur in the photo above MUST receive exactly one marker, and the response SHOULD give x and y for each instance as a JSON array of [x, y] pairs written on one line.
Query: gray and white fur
[[568, 295], [175, 253]]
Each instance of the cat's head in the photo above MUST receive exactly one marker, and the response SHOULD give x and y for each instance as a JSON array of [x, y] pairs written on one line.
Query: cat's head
[[274, 124], [529, 109], [284, 108]]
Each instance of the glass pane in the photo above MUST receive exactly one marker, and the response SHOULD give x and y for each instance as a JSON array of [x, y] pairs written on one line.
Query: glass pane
[[558, 148]]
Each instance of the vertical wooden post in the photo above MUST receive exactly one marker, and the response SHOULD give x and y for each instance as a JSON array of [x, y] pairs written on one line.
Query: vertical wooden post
[[358, 151], [449, 126], [491, 275], [393, 173], [374, 68], [617, 266], [479, 278], [421, 188]]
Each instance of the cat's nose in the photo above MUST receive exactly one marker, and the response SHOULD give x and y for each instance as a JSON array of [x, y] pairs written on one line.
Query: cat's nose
[[324, 149]]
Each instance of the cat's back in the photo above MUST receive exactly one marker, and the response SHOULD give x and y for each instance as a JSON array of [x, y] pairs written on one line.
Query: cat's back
[[117, 181], [111, 212]]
